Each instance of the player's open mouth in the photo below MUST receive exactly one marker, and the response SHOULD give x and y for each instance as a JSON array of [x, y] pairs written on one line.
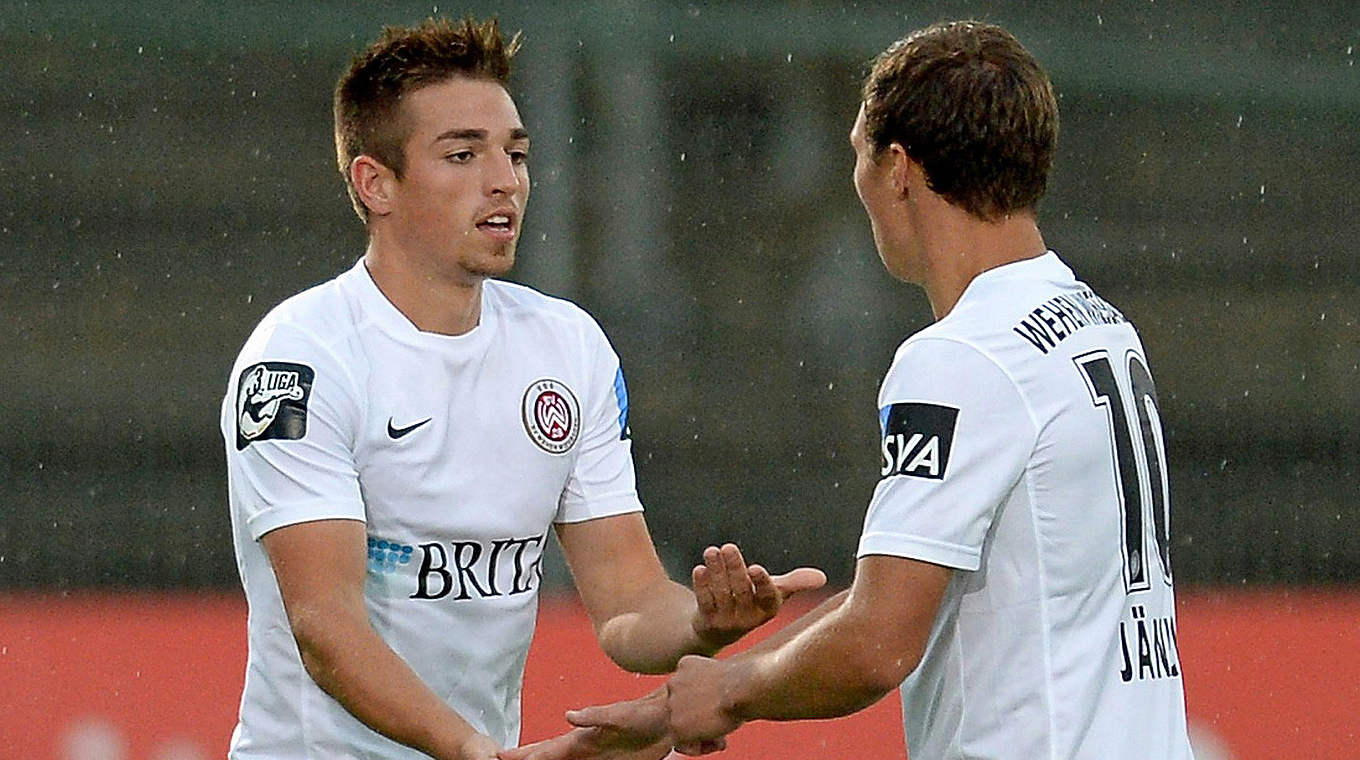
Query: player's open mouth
[[499, 226]]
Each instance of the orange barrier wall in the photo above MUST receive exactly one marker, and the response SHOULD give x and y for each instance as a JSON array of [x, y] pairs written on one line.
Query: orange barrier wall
[[157, 676]]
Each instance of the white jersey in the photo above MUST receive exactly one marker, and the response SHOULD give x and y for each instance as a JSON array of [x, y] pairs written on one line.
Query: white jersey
[[1022, 446], [458, 452]]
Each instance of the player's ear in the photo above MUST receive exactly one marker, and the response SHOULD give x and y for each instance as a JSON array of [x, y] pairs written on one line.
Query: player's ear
[[374, 183], [906, 173]]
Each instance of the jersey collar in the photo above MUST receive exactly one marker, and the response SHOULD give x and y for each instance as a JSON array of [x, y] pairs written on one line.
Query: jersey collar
[[382, 312]]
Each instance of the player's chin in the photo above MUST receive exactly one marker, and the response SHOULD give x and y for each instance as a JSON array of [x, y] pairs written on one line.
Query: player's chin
[[495, 263]]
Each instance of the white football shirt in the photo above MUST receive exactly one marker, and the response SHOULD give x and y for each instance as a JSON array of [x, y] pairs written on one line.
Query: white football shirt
[[1022, 446], [458, 452]]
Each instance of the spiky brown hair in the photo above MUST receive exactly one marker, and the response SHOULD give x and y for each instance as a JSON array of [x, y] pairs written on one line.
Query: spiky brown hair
[[367, 104]]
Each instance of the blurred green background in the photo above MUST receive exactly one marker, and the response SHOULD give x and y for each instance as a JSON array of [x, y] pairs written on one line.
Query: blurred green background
[[168, 177]]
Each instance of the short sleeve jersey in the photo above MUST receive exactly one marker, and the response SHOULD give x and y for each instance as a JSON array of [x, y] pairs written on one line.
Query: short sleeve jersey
[[1021, 445], [457, 453]]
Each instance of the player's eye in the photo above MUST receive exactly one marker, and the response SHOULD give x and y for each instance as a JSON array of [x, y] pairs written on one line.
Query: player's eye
[[460, 156], [518, 156]]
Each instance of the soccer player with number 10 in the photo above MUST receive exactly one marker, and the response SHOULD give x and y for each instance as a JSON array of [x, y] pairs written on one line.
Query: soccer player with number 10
[[1013, 576]]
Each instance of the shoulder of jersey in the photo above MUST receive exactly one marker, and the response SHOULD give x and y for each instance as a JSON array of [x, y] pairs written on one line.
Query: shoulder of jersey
[[523, 302], [321, 310], [984, 316], [991, 307]]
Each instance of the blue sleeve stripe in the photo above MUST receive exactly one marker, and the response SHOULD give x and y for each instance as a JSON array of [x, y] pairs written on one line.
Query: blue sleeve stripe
[[621, 393], [883, 420]]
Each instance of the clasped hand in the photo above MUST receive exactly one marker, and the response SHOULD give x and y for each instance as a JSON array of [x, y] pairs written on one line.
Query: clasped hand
[[688, 713], [680, 714]]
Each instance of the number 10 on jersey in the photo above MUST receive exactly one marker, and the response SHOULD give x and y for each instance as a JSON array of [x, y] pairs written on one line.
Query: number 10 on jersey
[[1139, 457]]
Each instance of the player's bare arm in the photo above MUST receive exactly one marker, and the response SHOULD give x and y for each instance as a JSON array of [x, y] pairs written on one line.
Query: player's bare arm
[[640, 729], [320, 571], [644, 620], [854, 650]]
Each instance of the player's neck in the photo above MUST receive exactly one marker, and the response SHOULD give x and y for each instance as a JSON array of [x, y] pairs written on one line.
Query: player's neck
[[965, 247], [433, 301]]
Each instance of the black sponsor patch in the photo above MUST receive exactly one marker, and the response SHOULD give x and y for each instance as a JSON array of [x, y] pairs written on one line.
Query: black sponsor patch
[[271, 402], [916, 439]]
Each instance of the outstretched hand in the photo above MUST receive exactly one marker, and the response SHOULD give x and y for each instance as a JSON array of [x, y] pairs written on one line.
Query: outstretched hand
[[735, 598], [684, 712], [590, 744], [632, 730]]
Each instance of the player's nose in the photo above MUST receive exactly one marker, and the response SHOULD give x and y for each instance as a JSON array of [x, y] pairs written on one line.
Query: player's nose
[[501, 176]]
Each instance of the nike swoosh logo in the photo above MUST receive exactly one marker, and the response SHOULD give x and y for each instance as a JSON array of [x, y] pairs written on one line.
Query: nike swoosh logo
[[395, 432]]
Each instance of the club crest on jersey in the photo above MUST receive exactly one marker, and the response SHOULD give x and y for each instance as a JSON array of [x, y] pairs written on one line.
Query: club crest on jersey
[[917, 438], [271, 402], [551, 415]]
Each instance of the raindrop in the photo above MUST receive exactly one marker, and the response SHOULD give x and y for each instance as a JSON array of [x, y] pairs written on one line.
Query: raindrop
[[1099, 21], [672, 38], [788, 58], [682, 157], [1239, 121]]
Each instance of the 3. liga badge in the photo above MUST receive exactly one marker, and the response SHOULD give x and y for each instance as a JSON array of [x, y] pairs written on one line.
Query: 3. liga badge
[[551, 415], [271, 402]]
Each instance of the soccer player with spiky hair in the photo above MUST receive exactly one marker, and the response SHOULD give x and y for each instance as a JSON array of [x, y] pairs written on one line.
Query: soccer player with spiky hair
[[1013, 576], [401, 439]]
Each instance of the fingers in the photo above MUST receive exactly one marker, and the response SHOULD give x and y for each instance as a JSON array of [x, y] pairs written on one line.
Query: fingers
[[718, 581], [644, 717], [738, 582], [601, 716], [702, 747], [767, 596], [703, 591], [725, 578], [734, 598], [801, 579], [569, 746], [527, 752]]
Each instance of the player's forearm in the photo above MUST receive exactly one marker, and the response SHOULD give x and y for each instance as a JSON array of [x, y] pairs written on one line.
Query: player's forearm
[[786, 634], [352, 664], [831, 666], [656, 632]]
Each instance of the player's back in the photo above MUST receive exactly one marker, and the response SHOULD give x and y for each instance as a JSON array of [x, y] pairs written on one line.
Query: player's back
[[1061, 642]]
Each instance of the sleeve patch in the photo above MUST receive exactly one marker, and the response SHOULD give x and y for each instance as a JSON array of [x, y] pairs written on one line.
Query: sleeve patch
[[917, 438], [271, 402]]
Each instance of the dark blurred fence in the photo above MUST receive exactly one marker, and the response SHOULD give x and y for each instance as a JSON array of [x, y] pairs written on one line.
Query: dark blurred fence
[[168, 178]]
